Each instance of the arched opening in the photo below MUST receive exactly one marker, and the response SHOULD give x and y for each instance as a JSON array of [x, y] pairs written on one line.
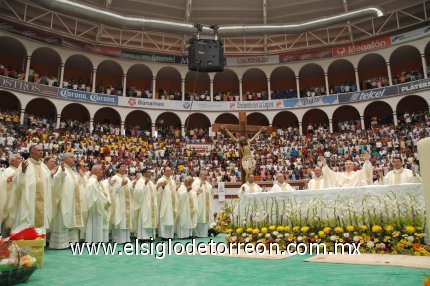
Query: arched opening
[[106, 117], [168, 84], [168, 125], [378, 113], [312, 81], [198, 85], [109, 78], [254, 85], [341, 77], [372, 71], [227, 118], [257, 118], [9, 102], [137, 122], [78, 71], [13, 56], [75, 116], [411, 109], [45, 66], [406, 65], [40, 112], [283, 83], [313, 120], [346, 118], [226, 86], [139, 81], [285, 120], [197, 126]]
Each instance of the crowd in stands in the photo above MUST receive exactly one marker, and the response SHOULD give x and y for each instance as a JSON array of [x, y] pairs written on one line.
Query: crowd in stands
[[284, 150], [284, 94]]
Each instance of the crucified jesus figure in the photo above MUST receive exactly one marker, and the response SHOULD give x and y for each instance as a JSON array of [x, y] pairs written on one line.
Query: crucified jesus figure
[[248, 162]]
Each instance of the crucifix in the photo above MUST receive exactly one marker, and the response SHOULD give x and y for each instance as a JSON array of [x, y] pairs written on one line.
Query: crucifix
[[247, 161]]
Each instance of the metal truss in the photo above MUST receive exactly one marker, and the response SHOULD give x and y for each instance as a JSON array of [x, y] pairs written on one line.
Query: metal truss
[[33, 16]]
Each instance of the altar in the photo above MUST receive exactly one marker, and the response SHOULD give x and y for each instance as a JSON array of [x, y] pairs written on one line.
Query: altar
[[366, 205]]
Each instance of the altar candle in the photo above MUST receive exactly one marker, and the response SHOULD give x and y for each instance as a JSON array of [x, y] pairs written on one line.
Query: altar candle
[[424, 156]]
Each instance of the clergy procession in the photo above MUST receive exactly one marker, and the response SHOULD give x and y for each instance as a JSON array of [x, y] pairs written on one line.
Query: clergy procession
[[70, 205]]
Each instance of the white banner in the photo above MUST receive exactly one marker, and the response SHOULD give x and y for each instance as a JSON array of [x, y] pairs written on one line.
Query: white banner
[[252, 60], [411, 35]]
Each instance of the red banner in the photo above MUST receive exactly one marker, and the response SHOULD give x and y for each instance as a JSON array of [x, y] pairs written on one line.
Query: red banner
[[362, 47], [302, 56]]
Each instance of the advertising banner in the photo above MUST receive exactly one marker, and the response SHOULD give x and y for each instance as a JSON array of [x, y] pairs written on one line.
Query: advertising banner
[[411, 35], [362, 47], [29, 87], [303, 56], [310, 101], [72, 94], [252, 60], [132, 55], [368, 94]]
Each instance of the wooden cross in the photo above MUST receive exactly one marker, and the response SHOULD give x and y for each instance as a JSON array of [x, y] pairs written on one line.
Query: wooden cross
[[244, 129]]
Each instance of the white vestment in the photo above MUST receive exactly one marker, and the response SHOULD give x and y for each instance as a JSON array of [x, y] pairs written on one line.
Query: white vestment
[[145, 209], [122, 209], [284, 187], [205, 211], [187, 212], [3, 198], [399, 176], [12, 196], [68, 219], [318, 183], [35, 201], [248, 188], [168, 204], [98, 204], [361, 177]]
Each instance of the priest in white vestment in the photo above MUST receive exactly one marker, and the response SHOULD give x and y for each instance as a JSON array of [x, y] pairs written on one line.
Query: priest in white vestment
[[3, 200], [34, 208], [205, 211], [398, 175], [83, 182], [145, 206], [168, 204], [188, 204], [318, 182], [249, 187], [98, 203], [349, 178], [68, 219], [281, 185], [122, 206], [12, 173]]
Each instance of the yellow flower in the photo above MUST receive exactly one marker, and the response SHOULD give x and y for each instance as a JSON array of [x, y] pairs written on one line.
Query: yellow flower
[[388, 228], [296, 228], [410, 229], [350, 228], [338, 229], [419, 228], [256, 231], [305, 229], [229, 230], [419, 235], [239, 230], [272, 228], [396, 233], [375, 240], [376, 228], [363, 227], [280, 228], [287, 228], [249, 229], [321, 233], [264, 230], [326, 229]]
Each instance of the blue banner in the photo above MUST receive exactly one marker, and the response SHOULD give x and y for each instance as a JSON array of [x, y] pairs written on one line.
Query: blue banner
[[368, 94], [77, 95], [310, 101]]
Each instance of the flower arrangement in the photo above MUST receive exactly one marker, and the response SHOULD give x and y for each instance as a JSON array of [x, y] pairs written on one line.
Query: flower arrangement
[[393, 224]]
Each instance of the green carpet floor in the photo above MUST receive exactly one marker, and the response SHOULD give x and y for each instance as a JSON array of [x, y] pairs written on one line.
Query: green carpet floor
[[62, 268]]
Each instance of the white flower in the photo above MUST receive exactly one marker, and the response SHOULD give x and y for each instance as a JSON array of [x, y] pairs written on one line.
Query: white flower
[[356, 238], [247, 239], [234, 238], [275, 233], [268, 235], [381, 245], [244, 234], [299, 238], [260, 234], [410, 238], [333, 237], [279, 236], [346, 235], [370, 244]]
